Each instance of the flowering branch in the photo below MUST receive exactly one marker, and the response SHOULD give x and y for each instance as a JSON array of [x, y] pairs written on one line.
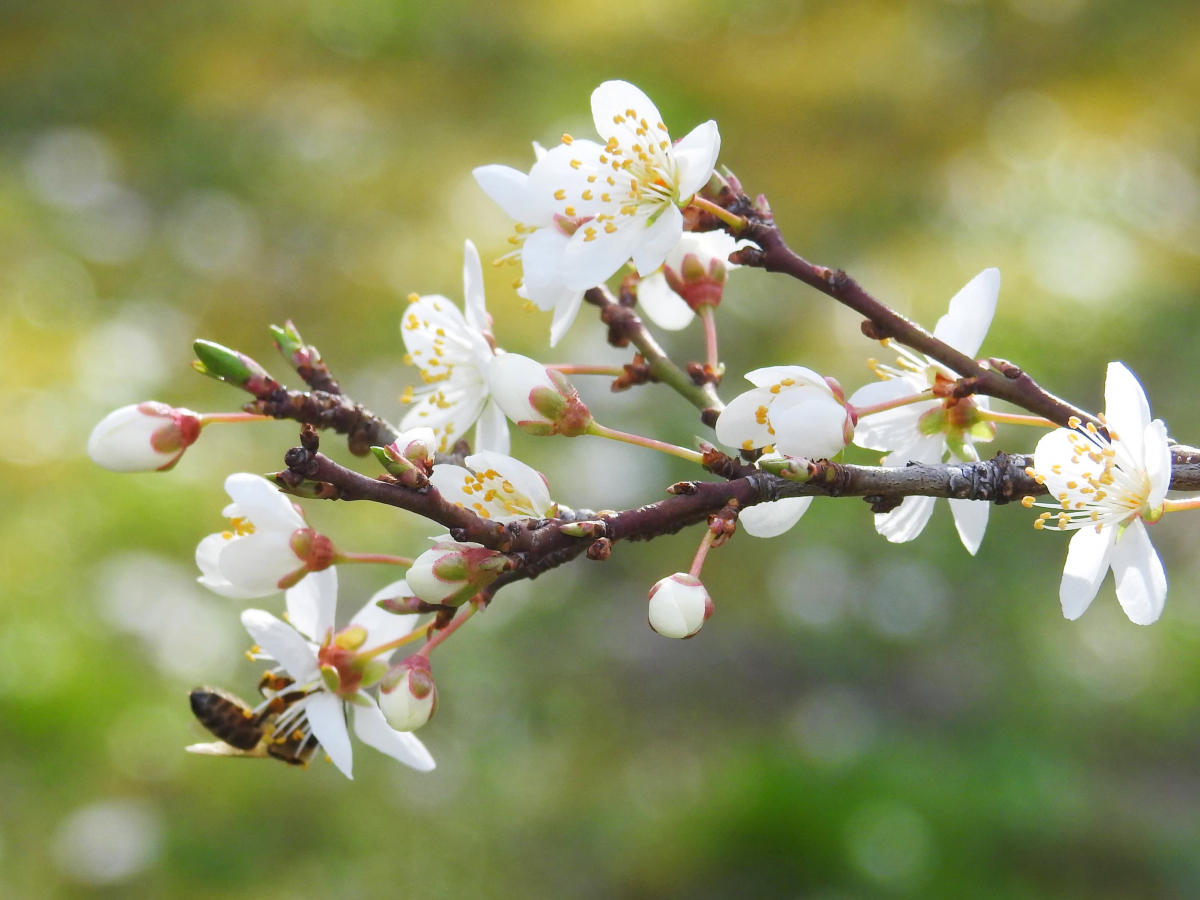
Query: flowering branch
[[998, 378]]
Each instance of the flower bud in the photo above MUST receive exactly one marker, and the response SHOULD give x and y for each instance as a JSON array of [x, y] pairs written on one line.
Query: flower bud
[[408, 695], [148, 437], [679, 606], [540, 400], [410, 457], [289, 343], [451, 573], [232, 367]]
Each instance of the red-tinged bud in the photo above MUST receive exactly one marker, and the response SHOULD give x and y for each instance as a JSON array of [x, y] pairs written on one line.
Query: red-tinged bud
[[540, 400], [147, 437], [315, 550], [451, 573], [408, 694]]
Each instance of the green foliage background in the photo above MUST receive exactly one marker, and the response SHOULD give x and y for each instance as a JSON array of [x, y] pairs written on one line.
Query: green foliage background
[[858, 720]]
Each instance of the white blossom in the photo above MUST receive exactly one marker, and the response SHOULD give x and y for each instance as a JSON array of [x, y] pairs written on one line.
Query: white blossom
[[267, 547], [679, 606], [307, 650], [496, 487], [793, 410], [146, 437], [1107, 489], [586, 208], [453, 353], [932, 430]]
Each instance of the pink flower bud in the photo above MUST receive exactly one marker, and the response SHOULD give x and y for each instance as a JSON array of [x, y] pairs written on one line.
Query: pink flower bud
[[147, 437], [679, 606], [408, 694]]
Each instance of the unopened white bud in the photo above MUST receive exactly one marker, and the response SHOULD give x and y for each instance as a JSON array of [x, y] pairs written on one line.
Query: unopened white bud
[[408, 695], [541, 401], [679, 606], [452, 573], [147, 437]]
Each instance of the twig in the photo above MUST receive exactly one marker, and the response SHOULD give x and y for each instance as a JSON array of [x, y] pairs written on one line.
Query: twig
[[626, 327]]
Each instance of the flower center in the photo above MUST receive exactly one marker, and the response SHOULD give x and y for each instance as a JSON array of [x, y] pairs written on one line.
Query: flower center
[[239, 526], [496, 496]]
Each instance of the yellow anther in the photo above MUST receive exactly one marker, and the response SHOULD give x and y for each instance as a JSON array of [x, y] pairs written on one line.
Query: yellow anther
[[1038, 524], [570, 211], [413, 298], [591, 179], [560, 194], [1027, 502], [566, 139], [575, 164], [587, 195], [1074, 422]]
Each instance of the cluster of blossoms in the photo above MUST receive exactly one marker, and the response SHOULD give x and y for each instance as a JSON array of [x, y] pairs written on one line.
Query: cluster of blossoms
[[637, 201]]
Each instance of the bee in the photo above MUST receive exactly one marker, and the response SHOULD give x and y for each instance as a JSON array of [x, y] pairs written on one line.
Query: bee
[[247, 731]]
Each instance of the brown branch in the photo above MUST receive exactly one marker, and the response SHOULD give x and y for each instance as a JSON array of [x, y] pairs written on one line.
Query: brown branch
[[334, 412], [996, 379], [626, 327]]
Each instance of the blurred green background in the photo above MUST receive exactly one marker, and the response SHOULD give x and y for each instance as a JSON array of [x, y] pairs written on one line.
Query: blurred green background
[[858, 720]]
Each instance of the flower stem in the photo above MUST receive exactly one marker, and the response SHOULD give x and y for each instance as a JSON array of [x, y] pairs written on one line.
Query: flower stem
[[385, 558], [1181, 505], [701, 553], [709, 318], [1015, 419], [737, 223], [893, 404], [231, 418], [392, 645], [572, 369], [612, 434], [455, 624]]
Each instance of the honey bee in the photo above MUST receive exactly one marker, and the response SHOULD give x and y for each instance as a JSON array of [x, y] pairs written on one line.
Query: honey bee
[[247, 731]]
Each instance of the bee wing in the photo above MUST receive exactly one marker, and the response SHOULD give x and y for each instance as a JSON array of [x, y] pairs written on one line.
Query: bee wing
[[220, 748]]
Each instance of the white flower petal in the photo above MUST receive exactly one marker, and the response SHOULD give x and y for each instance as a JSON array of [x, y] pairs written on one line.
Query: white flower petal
[[663, 306], [284, 644], [1087, 563], [491, 430], [588, 263], [1126, 410], [906, 521], [383, 626], [542, 268], [509, 189], [565, 312], [971, 310], [208, 554], [738, 425], [767, 520], [312, 604], [770, 375], [812, 427], [1055, 449], [258, 562], [327, 717], [1158, 462], [121, 441], [511, 380], [892, 429], [262, 503], [473, 298], [970, 520], [614, 99], [656, 241], [374, 731], [1141, 579], [697, 155], [524, 478]]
